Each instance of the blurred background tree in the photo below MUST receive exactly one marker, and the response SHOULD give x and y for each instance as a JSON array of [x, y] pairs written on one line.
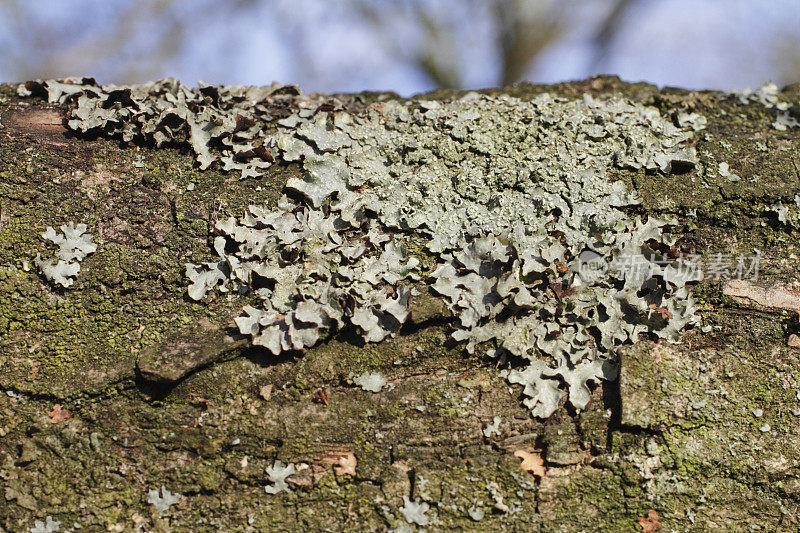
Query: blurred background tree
[[403, 45]]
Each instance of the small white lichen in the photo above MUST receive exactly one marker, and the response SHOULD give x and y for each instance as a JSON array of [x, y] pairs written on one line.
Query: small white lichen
[[767, 95], [370, 381], [784, 121], [497, 495], [476, 514], [725, 172], [48, 526], [164, 501], [74, 245], [277, 474], [493, 428], [781, 210], [694, 120], [414, 512]]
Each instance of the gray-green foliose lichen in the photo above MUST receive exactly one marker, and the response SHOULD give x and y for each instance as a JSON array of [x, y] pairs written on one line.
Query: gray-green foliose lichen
[[513, 198], [767, 95], [277, 474], [73, 246], [162, 500]]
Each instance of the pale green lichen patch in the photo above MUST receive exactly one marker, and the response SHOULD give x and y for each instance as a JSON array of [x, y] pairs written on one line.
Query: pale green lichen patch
[[506, 213], [415, 512], [768, 95], [74, 244], [325, 273], [48, 525], [230, 119], [509, 197], [370, 381], [162, 500], [277, 474]]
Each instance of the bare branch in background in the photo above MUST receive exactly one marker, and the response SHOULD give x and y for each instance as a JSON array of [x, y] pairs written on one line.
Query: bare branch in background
[[134, 41], [150, 18], [525, 28], [787, 61], [438, 57], [608, 30], [451, 43], [522, 30]]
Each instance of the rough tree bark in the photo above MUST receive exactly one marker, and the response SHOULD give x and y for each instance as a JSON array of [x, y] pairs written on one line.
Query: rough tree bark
[[704, 432]]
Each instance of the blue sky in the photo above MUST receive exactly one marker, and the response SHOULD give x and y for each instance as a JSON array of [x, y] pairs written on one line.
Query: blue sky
[[323, 46]]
